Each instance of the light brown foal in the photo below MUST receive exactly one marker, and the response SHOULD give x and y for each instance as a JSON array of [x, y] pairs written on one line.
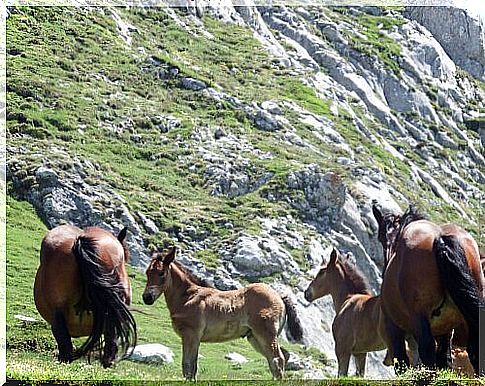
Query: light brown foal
[[358, 327], [203, 314]]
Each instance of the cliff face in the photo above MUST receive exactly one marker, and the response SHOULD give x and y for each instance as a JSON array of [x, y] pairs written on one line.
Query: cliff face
[[254, 138], [461, 35]]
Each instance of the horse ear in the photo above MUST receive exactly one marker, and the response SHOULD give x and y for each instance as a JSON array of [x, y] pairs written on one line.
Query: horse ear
[[170, 256], [122, 235], [377, 213], [333, 257]]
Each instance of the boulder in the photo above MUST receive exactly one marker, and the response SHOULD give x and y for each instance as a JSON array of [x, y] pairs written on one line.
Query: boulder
[[152, 353]]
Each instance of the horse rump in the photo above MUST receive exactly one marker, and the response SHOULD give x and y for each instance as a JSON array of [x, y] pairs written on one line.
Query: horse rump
[[294, 325], [459, 282], [104, 294]]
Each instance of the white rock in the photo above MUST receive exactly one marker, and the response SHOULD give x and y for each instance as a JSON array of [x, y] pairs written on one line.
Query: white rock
[[236, 358], [26, 319], [152, 353]]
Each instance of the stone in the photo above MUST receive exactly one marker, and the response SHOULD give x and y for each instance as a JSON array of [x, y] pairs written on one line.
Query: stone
[[152, 353], [25, 319], [272, 107], [236, 358], [193, 84]]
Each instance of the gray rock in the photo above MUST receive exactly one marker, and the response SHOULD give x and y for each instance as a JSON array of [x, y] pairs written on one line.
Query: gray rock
[[461, 36], [193, 84], [236, 358], [25, 319], [255, 257], [148, 224], [295, 363], [272, 107], [61, 194], [324, 195], [152, 353]]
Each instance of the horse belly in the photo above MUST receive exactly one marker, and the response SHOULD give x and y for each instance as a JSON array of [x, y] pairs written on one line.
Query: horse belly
[[449, 317], [79, 324], [224, 331]]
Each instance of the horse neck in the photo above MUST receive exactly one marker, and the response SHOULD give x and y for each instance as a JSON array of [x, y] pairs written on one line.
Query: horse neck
[[179, 290], [342, 290]]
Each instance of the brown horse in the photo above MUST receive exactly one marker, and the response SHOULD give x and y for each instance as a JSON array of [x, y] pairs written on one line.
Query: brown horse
[[432, 283], [82, 289], [358, 327], [203, 314]]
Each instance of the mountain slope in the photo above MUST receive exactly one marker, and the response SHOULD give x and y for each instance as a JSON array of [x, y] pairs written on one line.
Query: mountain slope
[[254, 138]]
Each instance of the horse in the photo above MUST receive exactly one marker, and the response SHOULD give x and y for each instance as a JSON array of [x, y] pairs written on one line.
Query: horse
[[432, 283], [200, 313], [82, 289], [358, 327]]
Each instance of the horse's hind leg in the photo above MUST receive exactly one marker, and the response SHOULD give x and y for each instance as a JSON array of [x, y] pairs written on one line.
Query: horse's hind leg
[[63, 339], [110, 349], [443, 352], [473, 351], [398, 347], [269, 347], [426, 342], [360, 360]]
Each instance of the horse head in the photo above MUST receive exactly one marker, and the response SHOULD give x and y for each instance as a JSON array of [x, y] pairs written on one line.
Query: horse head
[[158, 277], [323, 282], [388, 228]]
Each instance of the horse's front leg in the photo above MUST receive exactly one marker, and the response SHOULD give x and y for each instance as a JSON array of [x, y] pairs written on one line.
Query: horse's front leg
[[190, 349]]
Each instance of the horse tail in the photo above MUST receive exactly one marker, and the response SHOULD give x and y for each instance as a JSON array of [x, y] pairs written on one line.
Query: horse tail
[[457, 278], [105, 296], [294, 324]]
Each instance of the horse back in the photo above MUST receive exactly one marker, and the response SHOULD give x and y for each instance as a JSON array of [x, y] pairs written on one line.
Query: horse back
[[225, 315], [109, 248], [57, 283], [359, 325], [412, 284]]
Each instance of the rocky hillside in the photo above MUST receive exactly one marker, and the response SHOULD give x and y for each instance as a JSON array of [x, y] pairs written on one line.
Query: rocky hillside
[[253, 138]]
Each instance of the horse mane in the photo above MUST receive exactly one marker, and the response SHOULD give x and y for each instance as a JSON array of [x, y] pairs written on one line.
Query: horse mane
[[127, 252], [194, 279], [410, 215], [357, 278]]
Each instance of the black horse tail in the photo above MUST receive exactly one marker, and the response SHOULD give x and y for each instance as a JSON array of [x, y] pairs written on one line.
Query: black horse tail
[[104, 295], [294, 324], [458, 280]]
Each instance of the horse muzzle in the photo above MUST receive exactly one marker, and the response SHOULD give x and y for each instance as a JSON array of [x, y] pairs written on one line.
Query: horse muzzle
[[148, 298], [308, 295]]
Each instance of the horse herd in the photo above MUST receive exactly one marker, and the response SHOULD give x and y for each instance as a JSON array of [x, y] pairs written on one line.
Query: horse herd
[[432, 291]]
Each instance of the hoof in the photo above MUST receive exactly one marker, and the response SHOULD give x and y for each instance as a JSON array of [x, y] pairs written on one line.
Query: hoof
[[107, 364]]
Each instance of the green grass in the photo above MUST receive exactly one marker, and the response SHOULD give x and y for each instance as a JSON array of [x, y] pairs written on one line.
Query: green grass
[[73, 83], [31, 348]]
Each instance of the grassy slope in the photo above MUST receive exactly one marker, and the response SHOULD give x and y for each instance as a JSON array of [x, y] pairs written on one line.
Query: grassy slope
[[69, 70], [31, 347]]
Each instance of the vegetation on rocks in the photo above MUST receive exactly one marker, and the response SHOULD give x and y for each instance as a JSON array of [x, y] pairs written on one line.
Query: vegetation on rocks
[[199, 128]]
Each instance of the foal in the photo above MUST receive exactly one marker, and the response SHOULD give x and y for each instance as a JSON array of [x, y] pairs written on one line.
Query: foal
[[203, 314], [358, 326]]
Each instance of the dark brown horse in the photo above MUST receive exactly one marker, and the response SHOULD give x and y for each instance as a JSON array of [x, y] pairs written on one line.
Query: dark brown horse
[[203, 314], [82, 289], [432, 283]]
